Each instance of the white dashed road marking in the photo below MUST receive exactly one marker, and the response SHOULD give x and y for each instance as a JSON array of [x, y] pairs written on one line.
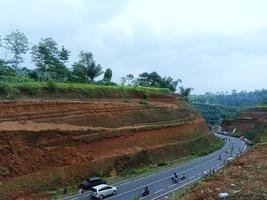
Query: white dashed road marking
[[159, 191]]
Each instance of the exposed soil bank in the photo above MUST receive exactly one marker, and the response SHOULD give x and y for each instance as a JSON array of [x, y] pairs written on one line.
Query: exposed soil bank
[[250, 124], [47, 143]]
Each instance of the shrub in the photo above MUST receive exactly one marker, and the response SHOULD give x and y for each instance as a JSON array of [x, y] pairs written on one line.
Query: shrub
[[27, 89], [51, 85], [146, 95], [137, 198], [143, 102], [162, 163], [7, 90]]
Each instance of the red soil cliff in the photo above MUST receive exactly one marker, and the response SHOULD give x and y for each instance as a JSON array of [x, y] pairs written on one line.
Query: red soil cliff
[[44, 144]]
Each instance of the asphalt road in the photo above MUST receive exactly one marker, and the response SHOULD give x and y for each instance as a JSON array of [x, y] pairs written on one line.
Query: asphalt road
[[160, 184]]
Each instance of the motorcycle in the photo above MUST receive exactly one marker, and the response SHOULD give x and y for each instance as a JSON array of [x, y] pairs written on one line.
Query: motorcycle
[[145, 193], [206, 173], [174, 179], [183, 177]]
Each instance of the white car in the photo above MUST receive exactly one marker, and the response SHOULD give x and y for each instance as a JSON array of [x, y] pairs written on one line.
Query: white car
[[100, 191], [230, 159]]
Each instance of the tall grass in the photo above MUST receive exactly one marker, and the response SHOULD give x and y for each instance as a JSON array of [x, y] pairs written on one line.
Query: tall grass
[[30, 88]]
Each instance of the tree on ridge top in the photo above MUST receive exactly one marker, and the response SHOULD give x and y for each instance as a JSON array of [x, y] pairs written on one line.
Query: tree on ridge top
[[87, 65]]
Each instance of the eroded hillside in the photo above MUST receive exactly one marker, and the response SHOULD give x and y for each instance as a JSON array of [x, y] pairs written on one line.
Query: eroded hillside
[[47, 143], [250, 124]]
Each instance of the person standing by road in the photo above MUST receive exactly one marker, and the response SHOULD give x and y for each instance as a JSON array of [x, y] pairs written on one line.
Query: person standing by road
[[81, 191], [65, 189]]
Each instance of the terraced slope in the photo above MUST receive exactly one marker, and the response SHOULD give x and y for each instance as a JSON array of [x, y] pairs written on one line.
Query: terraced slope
[[46, 143]]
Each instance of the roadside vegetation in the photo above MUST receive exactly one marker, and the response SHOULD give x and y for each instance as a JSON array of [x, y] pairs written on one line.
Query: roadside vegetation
[[135, 172]]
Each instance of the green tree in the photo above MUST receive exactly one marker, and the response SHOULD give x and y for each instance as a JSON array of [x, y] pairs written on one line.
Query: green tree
[[168, 82], [155, 80], [6, 71], [143, 79], [150, 79], [33, 74], [130, 79], [107, 76], [123, 80], [79, 73], [50, 60], [185, 92], [17, 43], [88, 64]]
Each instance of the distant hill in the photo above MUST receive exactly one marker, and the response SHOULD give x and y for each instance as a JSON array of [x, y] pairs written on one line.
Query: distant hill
[[218, 106]]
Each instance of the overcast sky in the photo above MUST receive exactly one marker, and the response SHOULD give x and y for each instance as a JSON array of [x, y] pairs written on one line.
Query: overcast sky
[[212, 45]]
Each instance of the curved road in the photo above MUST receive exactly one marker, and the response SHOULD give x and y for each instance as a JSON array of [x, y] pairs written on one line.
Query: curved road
[[160, 184]]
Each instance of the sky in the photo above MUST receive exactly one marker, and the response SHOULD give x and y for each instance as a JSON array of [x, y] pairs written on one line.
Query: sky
[[212, 45]]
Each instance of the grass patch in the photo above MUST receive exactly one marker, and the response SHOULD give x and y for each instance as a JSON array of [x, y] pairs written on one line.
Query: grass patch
[[138, 171], [162, 163], [51, 89], [57, 85], [213, 147], [188, 189]]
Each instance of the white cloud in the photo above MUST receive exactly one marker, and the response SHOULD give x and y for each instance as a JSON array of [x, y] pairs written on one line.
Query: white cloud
[[212, 45]]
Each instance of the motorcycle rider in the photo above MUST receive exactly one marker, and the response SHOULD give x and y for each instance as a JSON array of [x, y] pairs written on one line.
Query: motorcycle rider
[[220, 157], [175, 177], [146, 192]]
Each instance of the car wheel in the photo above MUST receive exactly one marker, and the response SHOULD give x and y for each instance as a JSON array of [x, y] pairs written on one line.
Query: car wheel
[[101, 197], [114, 192]]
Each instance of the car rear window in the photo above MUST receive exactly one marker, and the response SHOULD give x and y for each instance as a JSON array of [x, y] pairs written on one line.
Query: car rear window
[[96, 180], [94, 190]]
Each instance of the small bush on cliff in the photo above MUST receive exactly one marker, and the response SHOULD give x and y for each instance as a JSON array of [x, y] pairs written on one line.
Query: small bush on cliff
[[143, 102], [137, 171], [27, 89], [51, 85], [7, 90], [162, 163], [213, 147], [146, 95]]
